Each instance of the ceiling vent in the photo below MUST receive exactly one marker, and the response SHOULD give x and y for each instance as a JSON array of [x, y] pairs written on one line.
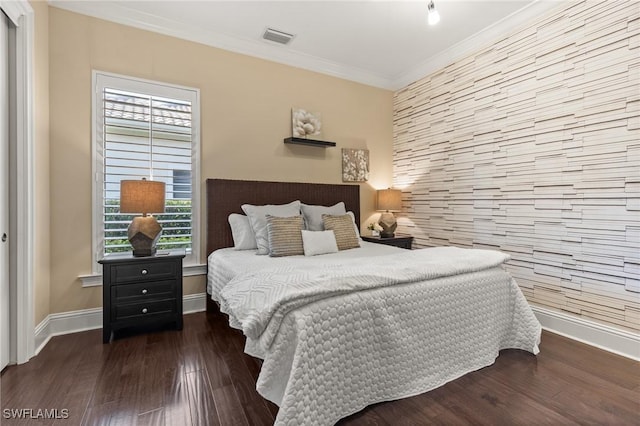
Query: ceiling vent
[[277, 36]]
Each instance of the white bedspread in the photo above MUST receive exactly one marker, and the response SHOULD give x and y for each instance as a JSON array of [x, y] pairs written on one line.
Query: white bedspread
[[335, 350], [257, 301], [225, 264]]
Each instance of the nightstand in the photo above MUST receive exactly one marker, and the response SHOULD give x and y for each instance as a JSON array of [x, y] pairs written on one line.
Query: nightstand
[[141, 291], [399, 240]]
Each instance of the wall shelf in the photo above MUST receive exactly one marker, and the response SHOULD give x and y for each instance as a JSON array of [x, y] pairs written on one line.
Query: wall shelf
[[309, 142]]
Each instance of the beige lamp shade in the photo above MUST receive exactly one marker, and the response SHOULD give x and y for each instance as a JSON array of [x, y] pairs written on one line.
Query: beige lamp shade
[[142, 196], [389, 200]]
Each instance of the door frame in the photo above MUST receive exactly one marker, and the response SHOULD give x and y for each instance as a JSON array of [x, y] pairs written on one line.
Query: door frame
[[23, 230]]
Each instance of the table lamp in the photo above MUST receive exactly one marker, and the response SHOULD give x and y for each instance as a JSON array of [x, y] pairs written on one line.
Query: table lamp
[[389, 200], [143, 196]]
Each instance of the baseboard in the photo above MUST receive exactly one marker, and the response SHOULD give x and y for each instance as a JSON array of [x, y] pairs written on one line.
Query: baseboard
[[193, 303], [611, 339], [608, 338], [66, 323], [90, 319]]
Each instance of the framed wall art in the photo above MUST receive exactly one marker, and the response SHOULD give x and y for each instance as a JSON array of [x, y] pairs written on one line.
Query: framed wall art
[[305, 124], [355, 165]]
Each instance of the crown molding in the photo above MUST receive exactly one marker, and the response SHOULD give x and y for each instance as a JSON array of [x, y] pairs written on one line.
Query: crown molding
[[118, 12], [479, 40]]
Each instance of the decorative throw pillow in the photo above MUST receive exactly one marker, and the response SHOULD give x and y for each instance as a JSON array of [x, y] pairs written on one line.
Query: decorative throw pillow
[[258, 218], [355, 225], [319, 242], [285, 237], [342, 226], [313, 214], [243, 238]]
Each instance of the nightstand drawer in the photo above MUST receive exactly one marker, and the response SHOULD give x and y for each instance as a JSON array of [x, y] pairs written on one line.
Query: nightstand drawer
[[143, 271], [145, 309], [143, 291]]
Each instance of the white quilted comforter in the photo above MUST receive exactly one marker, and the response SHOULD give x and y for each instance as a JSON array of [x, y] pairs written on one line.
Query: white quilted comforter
[[338, 337]]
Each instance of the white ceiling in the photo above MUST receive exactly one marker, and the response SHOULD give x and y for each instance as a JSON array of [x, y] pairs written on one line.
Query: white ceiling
[[386, 44]]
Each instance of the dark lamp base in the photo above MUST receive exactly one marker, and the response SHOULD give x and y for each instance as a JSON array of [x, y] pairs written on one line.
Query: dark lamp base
[[144, 252], [144, 232], [388, 224]]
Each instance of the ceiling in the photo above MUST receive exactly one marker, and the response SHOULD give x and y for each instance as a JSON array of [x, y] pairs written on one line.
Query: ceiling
[[386, 44]]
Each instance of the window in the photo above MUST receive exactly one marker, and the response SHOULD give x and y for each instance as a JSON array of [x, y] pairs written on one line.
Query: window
[[151, 130], [181, 184]]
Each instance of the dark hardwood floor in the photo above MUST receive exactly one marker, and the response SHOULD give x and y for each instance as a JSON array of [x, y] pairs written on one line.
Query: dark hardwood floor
[[200, 376]]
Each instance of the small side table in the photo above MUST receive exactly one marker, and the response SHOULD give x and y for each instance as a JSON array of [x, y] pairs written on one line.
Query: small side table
[[399, 240], [141, 291]]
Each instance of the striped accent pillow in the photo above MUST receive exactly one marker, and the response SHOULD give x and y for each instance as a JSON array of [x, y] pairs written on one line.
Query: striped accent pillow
[[342, 226], [285, 235]]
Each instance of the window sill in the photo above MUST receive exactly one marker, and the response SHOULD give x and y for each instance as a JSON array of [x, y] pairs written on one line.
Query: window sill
[[95, 280]]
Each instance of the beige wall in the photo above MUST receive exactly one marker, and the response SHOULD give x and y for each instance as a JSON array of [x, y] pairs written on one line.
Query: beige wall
[[42, 269], [245, 108], [530, 146]]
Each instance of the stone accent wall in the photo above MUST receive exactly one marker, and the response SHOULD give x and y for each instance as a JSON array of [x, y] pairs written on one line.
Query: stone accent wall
[[532, 146]]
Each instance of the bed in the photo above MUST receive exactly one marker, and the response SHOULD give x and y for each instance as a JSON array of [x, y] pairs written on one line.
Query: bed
[[341, 331]]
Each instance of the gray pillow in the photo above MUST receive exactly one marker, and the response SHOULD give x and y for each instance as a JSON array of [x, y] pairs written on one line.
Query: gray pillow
[[258, 218], [313, 214], [356, 227]]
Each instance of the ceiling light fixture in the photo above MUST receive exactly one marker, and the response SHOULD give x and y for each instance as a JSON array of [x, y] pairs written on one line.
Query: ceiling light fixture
[[434, 16]]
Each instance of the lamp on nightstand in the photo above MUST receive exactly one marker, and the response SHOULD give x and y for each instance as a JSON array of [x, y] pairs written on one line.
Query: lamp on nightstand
[[143, 196], [389, 200]]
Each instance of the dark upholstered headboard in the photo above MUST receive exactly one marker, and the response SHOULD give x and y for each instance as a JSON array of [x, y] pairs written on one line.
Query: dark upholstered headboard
[[226, 196]]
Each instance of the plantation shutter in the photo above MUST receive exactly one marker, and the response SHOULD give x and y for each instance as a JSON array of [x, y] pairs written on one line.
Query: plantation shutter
[[147, 136]]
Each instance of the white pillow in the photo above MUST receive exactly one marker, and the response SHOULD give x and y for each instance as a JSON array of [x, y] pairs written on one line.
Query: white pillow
[[318, 242], [243, 238], [313, 214], [258, 219], [355, 225]]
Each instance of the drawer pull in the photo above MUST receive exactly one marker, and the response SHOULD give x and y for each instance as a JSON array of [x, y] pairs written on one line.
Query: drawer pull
[[144, 272], [144, 310], [144, 291]]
